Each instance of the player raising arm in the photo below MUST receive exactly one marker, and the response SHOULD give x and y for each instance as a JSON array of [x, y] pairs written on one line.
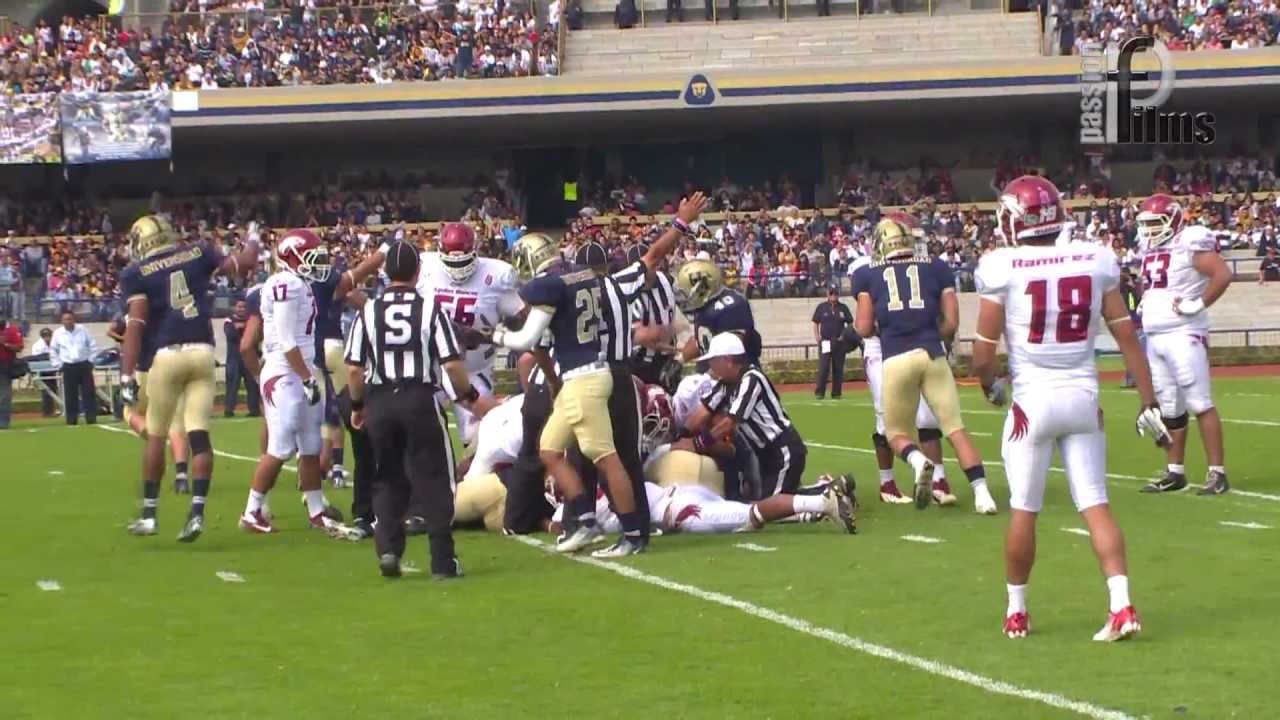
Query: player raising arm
[[1048, 299], [167, 290]]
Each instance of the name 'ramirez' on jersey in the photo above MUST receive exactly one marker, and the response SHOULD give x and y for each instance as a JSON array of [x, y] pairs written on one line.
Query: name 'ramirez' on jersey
[[175, 283], [574, 298], [907, 294]]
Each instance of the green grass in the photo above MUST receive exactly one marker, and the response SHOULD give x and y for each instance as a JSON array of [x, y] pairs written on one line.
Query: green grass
[[143, 628]]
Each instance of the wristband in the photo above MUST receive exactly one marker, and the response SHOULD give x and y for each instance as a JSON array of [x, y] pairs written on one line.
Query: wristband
[[498, 334], [357, 404], [681, 225]]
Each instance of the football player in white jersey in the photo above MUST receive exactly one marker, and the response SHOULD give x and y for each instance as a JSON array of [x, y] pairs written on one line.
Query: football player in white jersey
[[1183, 275], [926, 422], [291, 391], [475, 293], [1048, 300]]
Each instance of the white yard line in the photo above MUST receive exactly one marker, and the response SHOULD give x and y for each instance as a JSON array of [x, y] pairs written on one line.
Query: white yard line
[[218, 453], [933, 667], [996, 463], [1246, 526], [230, 577], [754, 547], [1076, 531], [49, 585], [925, 539]]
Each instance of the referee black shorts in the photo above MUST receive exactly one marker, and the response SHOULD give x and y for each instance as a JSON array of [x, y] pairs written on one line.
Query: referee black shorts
[[782, 464]]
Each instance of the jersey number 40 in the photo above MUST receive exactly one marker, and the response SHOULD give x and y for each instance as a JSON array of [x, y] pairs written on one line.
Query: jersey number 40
[[1074, 306]]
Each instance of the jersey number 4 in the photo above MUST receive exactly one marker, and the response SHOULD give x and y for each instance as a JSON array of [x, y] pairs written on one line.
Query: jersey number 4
[[1075, 301], [180, 297], [916, 302]]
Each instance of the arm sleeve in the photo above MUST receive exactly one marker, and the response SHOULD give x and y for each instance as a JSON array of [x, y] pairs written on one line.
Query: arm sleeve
[[354, 353], [131, 286], [1199, 239], [946, 278], [1108, 269], [443, 339], [631, 280], [992, 277], [93, 344], [537, 322], [545, 291], [816, 311], [744, 401], [715, 397], [858, 283]]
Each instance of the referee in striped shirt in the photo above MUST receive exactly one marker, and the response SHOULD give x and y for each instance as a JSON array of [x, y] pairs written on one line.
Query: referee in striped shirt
[[395, 352], [653, 315], [744, 400]]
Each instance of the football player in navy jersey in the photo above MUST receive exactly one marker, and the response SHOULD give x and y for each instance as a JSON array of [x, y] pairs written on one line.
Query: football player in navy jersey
[[566, 301], [329, 340], [713, 308], [135, 416], [909, 301], [167, 288]]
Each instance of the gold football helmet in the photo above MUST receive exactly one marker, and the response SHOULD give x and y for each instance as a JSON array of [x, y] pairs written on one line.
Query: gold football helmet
[[533, 254], [893, 240], [151, 234], [697, 281]]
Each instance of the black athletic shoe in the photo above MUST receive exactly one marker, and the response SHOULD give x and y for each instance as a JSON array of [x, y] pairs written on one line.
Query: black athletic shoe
[[624, 547], [181, 485], [1215, 484], [449, 571], [1171, 482], [389, 565], [415, 525], [192, 530], [363, 527]]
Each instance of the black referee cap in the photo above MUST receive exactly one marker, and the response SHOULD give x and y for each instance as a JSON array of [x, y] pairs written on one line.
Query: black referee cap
[[591, 255], [637, 252], [402, 262]]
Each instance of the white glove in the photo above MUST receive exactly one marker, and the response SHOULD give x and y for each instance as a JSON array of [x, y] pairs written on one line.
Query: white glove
[[1151, 419], [384, 248], [998, 393], [1188, 307], [311, 389], [128, 390], [498, 334]]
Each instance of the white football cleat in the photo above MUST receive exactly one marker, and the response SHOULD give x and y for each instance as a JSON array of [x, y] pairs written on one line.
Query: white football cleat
[[256, 522], [1120, 625], [942, 493], [582, 537], [890, 493], [143, 526], [983, 503]]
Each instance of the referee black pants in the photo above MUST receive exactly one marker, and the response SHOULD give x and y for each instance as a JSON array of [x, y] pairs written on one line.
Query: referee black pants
[[365, 463], [77, 388], [412, 451], [782, 464]]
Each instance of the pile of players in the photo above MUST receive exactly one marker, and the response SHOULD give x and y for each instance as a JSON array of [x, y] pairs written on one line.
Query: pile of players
[[600, 406]]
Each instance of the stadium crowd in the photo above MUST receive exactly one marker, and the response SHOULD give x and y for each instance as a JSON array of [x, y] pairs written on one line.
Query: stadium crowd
[[1182, 26], [297, 46]]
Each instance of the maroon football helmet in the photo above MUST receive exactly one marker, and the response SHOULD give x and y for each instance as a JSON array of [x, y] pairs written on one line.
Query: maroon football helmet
[[302, 253], [658, 418], [1030, 208], [1159, 218], [458, 251]]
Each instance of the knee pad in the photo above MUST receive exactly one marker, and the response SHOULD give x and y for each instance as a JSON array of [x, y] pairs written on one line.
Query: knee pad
[[199, 442], [880, 441], [930, 434], [1177, 422]]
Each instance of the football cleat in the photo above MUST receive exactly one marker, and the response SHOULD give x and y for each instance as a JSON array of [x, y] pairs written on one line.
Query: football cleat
[[1215, 484], [415, 525], [580, 538], [192, 530], [1017, 625], [389, 565], [338, 477], [1171, 482], [143, 526], [983, 503], [256, 522], [1120, 625], [942, 493], [924, 484], [624, 547], [839, 504], [450, 571], [181, 485], [321, 521], [332, 512], [889, 493]]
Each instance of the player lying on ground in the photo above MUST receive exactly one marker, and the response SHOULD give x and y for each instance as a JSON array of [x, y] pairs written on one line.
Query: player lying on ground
[[1047, 299]]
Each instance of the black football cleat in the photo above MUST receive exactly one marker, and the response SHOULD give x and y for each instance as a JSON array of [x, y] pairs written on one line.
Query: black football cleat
[[1215, 484], [1171, 482], [451, 570], [415, 525], [389, 565], [192, 530]]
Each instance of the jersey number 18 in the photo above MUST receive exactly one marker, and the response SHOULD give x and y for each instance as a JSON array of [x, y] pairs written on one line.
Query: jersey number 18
[[1075, 301]]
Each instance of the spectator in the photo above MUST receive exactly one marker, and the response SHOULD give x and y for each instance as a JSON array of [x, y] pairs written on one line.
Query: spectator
[[11, 292], [830, 321], [10, 347], [74, 348], [236, 370], [42, 349], [1269, 269]]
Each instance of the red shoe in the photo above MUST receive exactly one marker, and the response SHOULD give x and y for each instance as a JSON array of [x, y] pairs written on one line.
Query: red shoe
[[889, 493], [256, 522], [942, 493], [1017, 625], [1120, 625]]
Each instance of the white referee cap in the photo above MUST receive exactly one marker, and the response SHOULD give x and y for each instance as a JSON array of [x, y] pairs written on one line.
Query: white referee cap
[[725, 344]]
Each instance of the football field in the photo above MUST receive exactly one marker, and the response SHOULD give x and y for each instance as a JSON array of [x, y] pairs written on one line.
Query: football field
[[902, 620]]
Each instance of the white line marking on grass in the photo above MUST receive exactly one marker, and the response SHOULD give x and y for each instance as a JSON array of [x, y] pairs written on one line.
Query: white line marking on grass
[[219, 453], [1246, 526], [409, 567], [49, 585], [922, 539], [56, 472], [754, 547], [980, 434], [226, 576], [933, 667], [1113, 476], [1076, 531]]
